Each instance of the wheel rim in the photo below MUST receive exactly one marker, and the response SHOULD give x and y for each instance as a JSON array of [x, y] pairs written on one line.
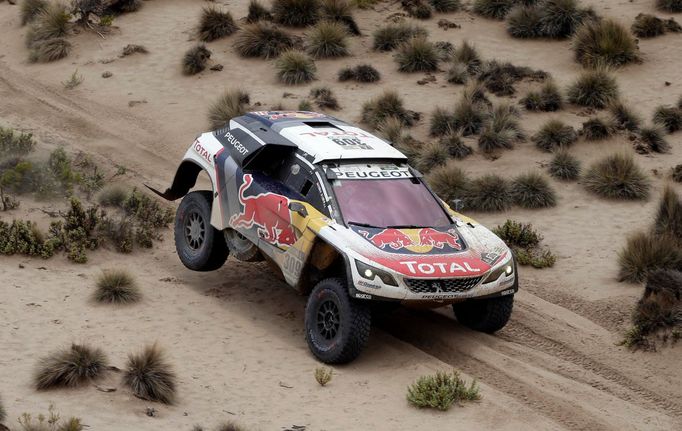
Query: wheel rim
[[195, 230], [238, 241], [328, 320]]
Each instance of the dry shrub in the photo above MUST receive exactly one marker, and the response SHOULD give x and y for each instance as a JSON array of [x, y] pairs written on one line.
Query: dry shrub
[[488, 193], [524, 22], [296, 13], [658, 311], [391, 36], [133, 49], [646, 25], [45, 51], [295, 67], [673, 6], [561, 18], [653, 139], [30, 9], [596, 88], [596, 129], [548, 99], [442, 121], [215, 24], [468, 55], [495, 9], [604, 42], [417, 55], [116, 287], [113, 195], [51, 23], [230, 426], [532, 190], [441, 391], [391, 129], [677, 173], [50, 422], [15, 143], [471, 111], [340, 11], [446, 6], [431, 155], [449, 181], [645, 252], [564, 166], [668, 117], [232, 103], [623, 117], [72, 367], [323, 375], [458, 73], [327, 39], [263, 40], [501, 130], [388, 104], [150, 376], [617, 177], [669, 216], [360, 73], [525, 244], [195, 59], [500, 78], [456, 147], [554, 135], [419, 9], [257, 12], [324, 98]]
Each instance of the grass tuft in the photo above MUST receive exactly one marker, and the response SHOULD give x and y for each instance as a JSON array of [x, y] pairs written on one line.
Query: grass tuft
[[501, 129], [673, 6], [653, 139], [295, 67], [646, 26], [532, 190], [617, 177], [554, 135], [323, 375], [388, 104], [432, 155], [668, 117], [604, 42], [359, 73], [449, 182], [391, 36], [72, 367], [30, 9], [495, 9], [113, 195], [215, 24], [296, 13], [51, 23], [45, 51], [150, 376], [195, 59], [456, 147], [116, 287], [446, 6], [677, 173], [644, 252], [548, 99], [232, 103], [263, 40], [441, 391], [561, 18], [327, 39], [596, 88], [564, 166], [257, 12], [596, 129], [523, 22], [324, 98], [340, 11], [417, 55], [669, 216], [488, 193], [623, 117]]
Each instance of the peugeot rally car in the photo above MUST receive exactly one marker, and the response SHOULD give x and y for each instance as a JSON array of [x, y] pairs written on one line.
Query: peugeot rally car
[[344, 219]]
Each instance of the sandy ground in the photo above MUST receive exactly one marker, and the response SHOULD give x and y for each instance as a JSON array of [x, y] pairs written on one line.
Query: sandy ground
[[238, 346]]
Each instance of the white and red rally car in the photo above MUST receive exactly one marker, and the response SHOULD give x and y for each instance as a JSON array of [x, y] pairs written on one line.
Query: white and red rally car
[[345, 220]]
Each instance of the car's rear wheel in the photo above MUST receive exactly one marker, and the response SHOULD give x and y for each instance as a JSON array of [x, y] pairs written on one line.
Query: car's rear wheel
[[485, 315], [200, 246], [241, 247], [337, 326]]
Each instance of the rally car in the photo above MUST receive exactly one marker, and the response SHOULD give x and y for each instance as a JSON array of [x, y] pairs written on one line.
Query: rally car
[[343, 218]]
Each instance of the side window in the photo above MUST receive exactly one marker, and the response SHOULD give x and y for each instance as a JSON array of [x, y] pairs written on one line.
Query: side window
[[303, 181]]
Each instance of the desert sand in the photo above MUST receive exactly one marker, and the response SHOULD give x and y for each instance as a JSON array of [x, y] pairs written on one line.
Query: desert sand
[[235, 336]]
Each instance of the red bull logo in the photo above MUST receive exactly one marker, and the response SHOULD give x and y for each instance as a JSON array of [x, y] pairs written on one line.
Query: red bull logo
[[423, 240], [268, 212]]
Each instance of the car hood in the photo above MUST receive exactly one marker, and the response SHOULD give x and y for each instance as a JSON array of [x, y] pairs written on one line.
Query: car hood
[[451, 251]]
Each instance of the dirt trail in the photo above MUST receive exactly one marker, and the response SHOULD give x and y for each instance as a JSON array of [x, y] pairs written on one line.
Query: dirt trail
[[235, 335]]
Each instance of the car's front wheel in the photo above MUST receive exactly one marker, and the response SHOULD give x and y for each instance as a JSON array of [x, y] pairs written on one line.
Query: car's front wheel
[[337, 326], [485, 315], [200, 246]]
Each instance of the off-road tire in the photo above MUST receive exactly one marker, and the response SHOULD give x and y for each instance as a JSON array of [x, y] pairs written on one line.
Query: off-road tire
[[241, 248], [200, 246], [485, 315], [353, 325]]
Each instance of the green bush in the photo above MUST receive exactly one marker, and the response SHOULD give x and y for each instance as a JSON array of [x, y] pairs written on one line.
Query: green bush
[[548, 99], [488, 193], [532, 190], [448, 181], [516, 234], [595, 88], [150, 376], [618, 177], [391, 36], [263, 40], [536, 258], [604, 42], [441, 391], [295, 67], [72, 367], [554, 135], [215, 24], [417, 55], [327, 39], [116, 287], [668, 117], [232, 103], [388, 104], [644, 252], [257, 12], [296, 13], [21, 237], [564, 166], [195, 59], [15, 144]]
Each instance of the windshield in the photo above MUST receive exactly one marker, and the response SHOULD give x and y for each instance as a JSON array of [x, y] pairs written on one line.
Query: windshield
[[388, 203]]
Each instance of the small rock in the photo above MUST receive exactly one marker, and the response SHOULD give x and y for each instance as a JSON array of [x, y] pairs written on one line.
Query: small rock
[[217, 67], [151, 412], [446, 24], [21, 266], [667, 83], [107, 74]]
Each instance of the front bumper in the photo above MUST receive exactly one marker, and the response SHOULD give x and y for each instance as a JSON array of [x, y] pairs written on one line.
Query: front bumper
[[437, 290]]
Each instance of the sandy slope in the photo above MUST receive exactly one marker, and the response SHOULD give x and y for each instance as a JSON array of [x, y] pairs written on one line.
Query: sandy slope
[[555, 366]]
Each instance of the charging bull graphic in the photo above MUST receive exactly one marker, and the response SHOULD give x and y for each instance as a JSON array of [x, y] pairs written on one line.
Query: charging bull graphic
[[415, 240], [269, 212]]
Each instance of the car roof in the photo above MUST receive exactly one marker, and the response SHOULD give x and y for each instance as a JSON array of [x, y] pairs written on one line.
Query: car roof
[[323, 137]]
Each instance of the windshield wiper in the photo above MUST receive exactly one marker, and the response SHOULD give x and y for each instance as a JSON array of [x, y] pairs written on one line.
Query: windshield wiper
[[364, 224]]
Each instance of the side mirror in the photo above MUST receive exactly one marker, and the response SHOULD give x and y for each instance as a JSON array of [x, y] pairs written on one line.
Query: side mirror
[[298, 208], [457, 205]]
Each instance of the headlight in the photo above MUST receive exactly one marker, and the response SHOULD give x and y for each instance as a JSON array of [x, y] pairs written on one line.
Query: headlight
[[506, 269], [370, 272]]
